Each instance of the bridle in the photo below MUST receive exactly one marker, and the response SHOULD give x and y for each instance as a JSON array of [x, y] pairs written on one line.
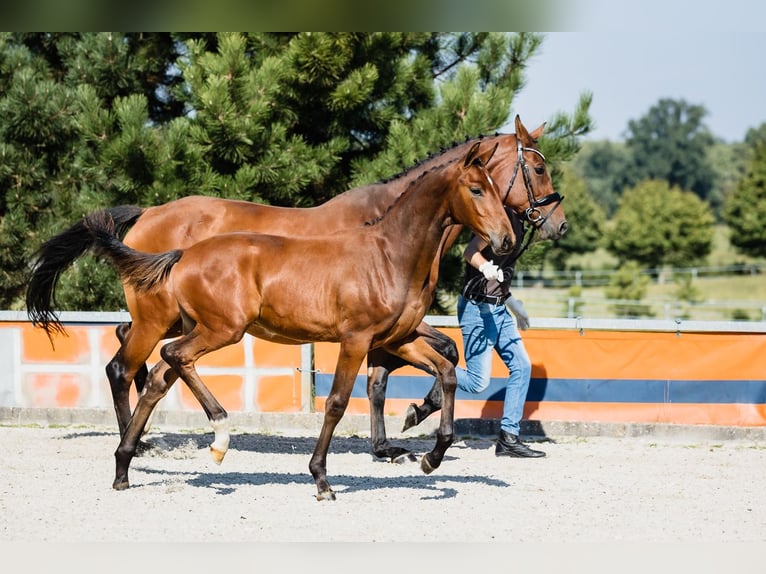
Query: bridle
[[532, 214]]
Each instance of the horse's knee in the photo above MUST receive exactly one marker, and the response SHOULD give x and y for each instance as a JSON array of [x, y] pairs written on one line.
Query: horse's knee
[[449, 351], [335, 407], [121, 331], [377, 381], [447, 378], [445, 346], [115, 373]]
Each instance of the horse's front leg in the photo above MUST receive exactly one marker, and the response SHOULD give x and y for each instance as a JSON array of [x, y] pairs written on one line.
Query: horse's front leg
[[350, 358]]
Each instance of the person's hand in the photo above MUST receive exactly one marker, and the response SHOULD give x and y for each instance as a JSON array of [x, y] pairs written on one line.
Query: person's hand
[[516, 307], [491, 271]]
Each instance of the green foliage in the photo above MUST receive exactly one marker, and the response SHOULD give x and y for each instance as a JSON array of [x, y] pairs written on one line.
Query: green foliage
[[745, 207], [729, 163], [670, 143], [603, 165], [685, 288], [575, 292], [756, 135], [90, 120], [658, 225], [474, 80], [585, 218], [560, 141], [629, 286]]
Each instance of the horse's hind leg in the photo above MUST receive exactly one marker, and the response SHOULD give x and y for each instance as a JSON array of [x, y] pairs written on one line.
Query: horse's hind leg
[[432, 402], [158, 382], [418, 352], [116, 372], [379, 365], [139, 380], [182, 354], [138, 342], [121, 331]]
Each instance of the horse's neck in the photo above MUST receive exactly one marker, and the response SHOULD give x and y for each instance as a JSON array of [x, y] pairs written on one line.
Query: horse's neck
[[418, 219]]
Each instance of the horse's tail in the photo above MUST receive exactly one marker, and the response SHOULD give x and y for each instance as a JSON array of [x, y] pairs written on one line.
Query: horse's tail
[[142, 271], [55, 256]]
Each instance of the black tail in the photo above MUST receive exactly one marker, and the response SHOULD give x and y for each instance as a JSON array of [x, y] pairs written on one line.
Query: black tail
[[143, 271], [55, 256]]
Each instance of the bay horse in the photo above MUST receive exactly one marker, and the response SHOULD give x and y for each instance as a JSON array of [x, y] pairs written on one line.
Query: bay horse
[[183, 222], [365, 287]]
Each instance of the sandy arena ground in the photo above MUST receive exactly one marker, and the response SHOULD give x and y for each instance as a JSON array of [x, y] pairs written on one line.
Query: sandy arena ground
[[55, 486]]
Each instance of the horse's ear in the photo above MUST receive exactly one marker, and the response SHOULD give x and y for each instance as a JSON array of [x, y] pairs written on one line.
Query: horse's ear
[[521, 131], [471, 154], [535, 135], [487, 155]]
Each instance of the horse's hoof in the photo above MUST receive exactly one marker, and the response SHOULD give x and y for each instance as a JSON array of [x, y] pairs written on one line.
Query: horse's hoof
[[426, 466], [411, 418], [326, 495], [120, 484], [217, 455], [404, 457]]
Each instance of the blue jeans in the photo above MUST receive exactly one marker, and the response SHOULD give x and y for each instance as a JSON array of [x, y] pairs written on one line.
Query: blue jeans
[[486, 328]]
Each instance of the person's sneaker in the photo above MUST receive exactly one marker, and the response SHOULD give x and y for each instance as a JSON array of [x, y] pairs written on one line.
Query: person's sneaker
[[509, 445]]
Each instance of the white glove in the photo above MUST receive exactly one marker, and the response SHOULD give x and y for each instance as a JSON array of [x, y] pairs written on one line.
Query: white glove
[[516, 307], [491, 271]]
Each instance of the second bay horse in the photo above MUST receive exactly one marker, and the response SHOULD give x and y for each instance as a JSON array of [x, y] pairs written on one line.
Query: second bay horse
[[369, 288], [517, 164]]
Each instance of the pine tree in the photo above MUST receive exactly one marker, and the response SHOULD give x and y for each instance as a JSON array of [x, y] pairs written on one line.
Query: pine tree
[[99, 119]]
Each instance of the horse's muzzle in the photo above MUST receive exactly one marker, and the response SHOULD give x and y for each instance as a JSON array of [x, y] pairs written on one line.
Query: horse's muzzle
[[505, 246]]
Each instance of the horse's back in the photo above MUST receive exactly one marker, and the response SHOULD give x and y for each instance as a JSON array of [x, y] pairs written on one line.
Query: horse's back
[[181, 223]]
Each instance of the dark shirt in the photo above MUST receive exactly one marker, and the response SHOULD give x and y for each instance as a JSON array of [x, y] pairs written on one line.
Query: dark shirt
[[476, 283]]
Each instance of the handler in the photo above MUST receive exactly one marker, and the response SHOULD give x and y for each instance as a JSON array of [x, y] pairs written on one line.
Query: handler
[[490, 319]]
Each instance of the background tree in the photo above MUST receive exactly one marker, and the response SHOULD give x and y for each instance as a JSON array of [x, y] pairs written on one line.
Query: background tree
[[628, 287], [657, 225], [670, 143], [745, 207], [586, 221], [755, 135], [729, 163], [603, 165], [90, 120]]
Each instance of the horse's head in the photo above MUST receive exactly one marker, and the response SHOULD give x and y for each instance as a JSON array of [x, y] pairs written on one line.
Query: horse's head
[[530, 190], [479, 203]]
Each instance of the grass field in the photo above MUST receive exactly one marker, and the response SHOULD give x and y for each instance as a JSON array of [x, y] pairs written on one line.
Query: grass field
[[721, 290], [740, 297]]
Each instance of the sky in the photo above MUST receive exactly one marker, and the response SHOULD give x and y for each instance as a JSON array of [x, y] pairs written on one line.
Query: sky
[[708, 58]]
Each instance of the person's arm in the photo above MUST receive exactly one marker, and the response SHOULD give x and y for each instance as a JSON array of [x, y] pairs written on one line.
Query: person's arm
[[516, 307], [472, 254]]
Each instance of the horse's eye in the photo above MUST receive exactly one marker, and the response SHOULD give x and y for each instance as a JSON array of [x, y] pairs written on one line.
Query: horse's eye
[[477, 191], [539, 169]]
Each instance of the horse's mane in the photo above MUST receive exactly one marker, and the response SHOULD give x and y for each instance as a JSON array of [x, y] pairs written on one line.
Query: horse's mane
[[409, 188], [419, 165], [435, 155]]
